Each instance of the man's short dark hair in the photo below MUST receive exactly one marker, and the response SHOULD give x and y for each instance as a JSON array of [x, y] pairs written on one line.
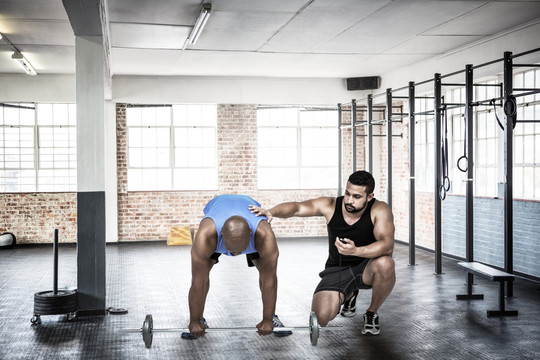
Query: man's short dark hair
[[363, 178]]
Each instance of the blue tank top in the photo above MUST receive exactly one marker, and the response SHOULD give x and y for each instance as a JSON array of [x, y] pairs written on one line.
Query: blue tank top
[[222, 207]]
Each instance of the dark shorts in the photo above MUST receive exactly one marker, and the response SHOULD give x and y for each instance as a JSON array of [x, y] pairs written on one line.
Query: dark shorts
[[249, 257], [345, 279]]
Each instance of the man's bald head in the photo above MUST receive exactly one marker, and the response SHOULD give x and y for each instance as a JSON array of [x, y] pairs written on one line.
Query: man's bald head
[[236, 233]]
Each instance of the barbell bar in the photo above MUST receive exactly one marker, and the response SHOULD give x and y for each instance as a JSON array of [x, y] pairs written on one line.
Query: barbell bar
[[147, 330]]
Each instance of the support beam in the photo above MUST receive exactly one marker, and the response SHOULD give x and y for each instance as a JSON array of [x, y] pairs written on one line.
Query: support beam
[[437, 173], [510, 118], [369, 138], [340, 150], [91, 218], [412, 194], [353, 133], [389, 147], [469, 192]]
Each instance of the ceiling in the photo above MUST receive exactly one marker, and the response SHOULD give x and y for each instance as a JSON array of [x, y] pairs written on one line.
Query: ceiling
[[255, 38]]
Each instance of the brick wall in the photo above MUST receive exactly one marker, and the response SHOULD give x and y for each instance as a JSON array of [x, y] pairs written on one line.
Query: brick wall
[[149, 215], [33, 217]]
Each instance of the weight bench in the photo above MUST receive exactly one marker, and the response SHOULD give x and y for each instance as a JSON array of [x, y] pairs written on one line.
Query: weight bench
[[493, 275]]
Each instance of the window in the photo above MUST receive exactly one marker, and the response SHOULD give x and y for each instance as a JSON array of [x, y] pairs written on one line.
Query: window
[[172, 147], [298, 148], [38, 148], [423, 146], [456, 141], [486, 138], [527, 138]]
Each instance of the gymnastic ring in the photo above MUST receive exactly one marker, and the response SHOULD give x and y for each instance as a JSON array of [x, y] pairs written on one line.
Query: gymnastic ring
[[459, 163]]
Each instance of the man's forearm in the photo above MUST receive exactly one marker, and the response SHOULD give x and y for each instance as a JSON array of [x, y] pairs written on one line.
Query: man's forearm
[[376, 249], [284, 210], [196, 300], [269, 296]]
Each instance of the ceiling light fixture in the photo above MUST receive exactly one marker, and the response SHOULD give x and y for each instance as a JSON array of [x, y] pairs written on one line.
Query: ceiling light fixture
[[199, 25], [24, 63], [18, 57]]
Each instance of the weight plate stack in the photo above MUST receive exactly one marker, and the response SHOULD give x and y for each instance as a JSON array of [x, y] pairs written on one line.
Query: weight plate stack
[[49, 303]]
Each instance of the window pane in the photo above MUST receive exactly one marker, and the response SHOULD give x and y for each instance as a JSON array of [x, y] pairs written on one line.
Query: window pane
[[194, 151], [518, 182], [528, 144], [278, 178], [293, 141], [528, 182], [195, 179], [318, 178]]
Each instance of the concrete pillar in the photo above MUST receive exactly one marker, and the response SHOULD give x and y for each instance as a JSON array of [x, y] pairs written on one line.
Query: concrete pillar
[[91, 174]]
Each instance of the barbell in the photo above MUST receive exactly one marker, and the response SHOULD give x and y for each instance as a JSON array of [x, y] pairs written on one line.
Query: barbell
[[147, 330]]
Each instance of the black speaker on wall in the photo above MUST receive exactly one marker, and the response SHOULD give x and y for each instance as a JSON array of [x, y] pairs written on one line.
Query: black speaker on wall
[[363, 83]]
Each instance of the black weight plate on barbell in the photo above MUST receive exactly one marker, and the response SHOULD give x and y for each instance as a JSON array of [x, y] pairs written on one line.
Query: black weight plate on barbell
[[146, 330]]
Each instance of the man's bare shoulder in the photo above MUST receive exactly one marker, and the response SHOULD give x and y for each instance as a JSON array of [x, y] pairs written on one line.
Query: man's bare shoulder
[[380, 208], [324, 206], [325, 202], [205, 241]]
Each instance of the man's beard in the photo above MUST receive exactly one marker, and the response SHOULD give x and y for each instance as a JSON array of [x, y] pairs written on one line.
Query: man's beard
[[352, 210]]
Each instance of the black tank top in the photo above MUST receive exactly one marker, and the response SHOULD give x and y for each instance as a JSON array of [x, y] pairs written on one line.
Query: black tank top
[[361, 232]]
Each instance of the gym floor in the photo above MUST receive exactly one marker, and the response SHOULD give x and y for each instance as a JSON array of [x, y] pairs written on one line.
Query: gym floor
[[421, 319]]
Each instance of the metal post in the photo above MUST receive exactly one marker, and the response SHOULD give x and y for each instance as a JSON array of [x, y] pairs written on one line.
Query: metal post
[[389, 147], [412, 240], [353, 124], [437, 173], [369, 137], [340, 150], [469, 199], [55, 261], [510, 116]]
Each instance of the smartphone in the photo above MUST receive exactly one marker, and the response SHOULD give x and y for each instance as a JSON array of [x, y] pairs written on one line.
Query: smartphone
[[342, 240]]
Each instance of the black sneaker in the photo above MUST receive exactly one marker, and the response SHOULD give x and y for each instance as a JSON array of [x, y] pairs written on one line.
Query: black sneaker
[[371, 324], [190, 336], [278, 324], [349, 306]]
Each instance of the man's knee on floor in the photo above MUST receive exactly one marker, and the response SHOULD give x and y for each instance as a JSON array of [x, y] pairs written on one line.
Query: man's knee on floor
[[324, 315]]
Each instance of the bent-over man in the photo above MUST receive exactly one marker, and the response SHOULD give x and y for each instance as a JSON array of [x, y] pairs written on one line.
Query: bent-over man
[[229, 228]]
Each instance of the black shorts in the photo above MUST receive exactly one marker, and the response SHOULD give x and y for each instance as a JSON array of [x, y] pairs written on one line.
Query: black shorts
[[249, 257], [345, 279]]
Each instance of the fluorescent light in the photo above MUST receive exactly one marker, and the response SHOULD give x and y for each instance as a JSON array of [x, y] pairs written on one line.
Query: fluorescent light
[[24, 63], [199, 25]]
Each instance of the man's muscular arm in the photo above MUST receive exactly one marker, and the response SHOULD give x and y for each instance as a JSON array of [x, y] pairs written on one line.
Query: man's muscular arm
[[203, 247], [383, 230], [266, 246], [323, 206]]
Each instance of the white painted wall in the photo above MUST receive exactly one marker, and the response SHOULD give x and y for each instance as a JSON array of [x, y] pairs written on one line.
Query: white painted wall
[[90, 114], [41, 88], [224, 90]]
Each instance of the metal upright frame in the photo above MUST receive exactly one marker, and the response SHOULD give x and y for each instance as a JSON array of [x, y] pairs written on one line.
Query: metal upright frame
[[412, 194], [340, 149], [509, 105], [510, 118], [369, 130], [469, 192], [353, 130], [389, 113], [437, 102]]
